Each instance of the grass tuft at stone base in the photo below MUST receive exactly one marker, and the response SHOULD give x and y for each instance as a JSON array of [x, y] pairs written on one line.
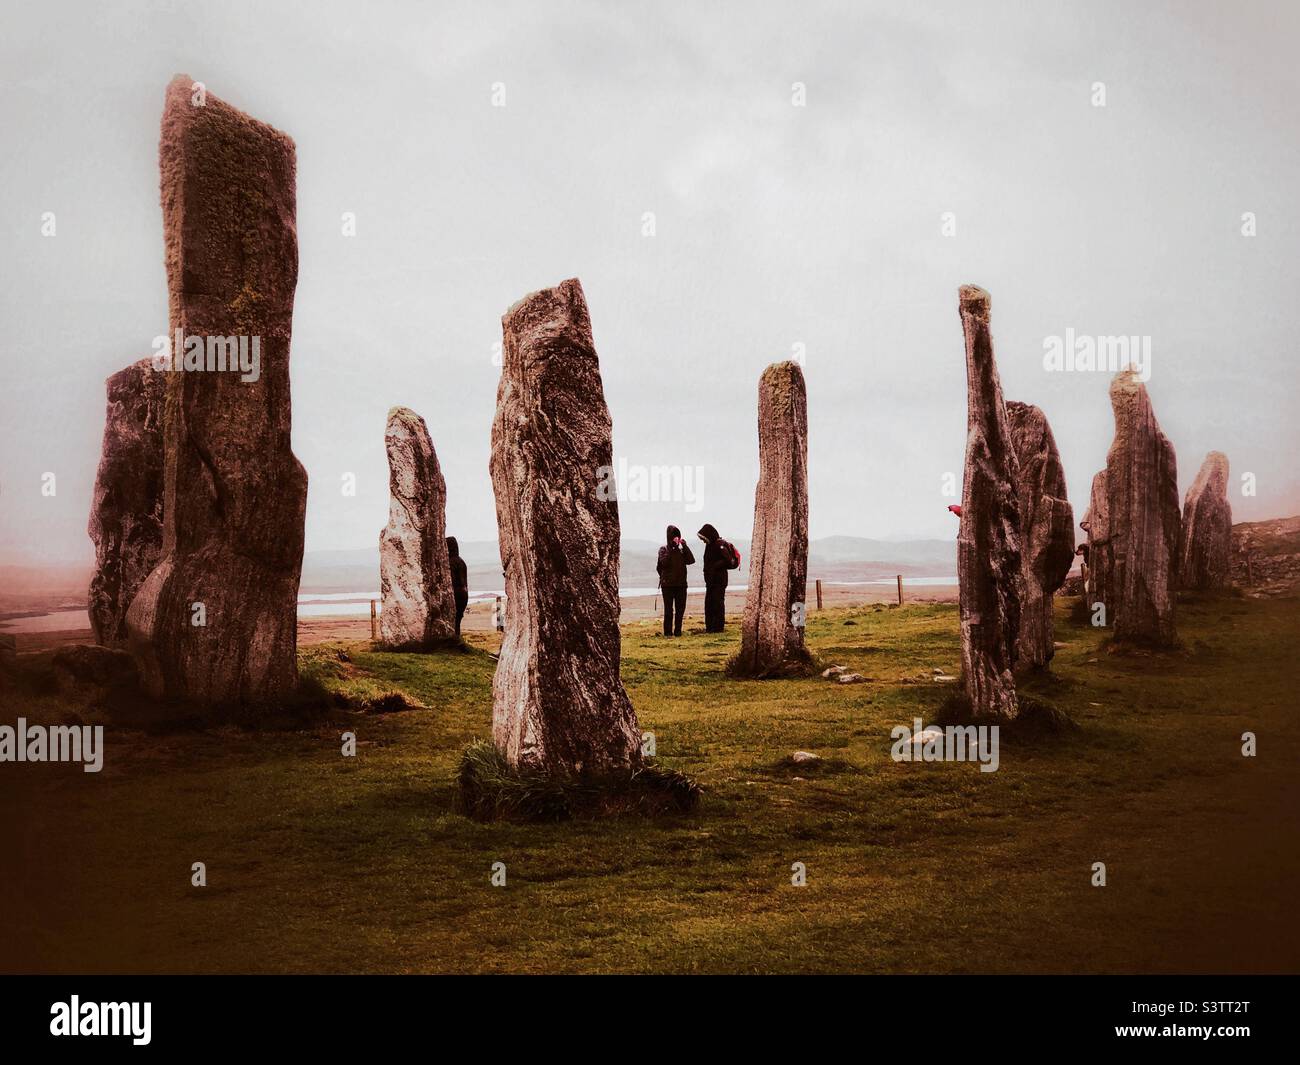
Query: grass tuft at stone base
[[493, 790], [1038, 718]]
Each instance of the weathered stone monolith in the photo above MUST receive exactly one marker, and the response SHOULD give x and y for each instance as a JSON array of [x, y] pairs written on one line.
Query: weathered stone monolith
[[216, 620], [558, 703], [988, 544], [1205, 546], [126, 508], [1096, 523], [772, 637], [1142, 495], [414, 568], [1046, 531]]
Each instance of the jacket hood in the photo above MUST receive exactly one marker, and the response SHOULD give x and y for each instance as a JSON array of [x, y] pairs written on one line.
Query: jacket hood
[[453, 548], [673, 533], [708, 532]]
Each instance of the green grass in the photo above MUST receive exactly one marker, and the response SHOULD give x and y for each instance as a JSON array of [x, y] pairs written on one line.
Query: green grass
[[317, 862]]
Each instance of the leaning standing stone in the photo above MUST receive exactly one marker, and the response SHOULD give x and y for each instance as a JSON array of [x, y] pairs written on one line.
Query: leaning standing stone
[[1205, 548], [1142, 496], [772, 639], [126, 509], [216, 620], [988, 545], [414, 568], [1046, 530], [558, 703]]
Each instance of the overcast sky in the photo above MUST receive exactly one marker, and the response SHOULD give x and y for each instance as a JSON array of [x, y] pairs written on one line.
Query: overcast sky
[[775, 225]]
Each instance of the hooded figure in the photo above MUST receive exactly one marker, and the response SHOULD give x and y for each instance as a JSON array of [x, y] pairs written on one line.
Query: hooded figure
[[716, 564], [459, 580], [674, 557]]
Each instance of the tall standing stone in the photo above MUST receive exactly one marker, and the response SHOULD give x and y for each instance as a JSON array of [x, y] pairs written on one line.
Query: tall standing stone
[[1046, 530], [1096, 523], [988, 544], [772, 637], [216, 620], [558, 702], [126, 511], [1205, 547], [1142, 495], [414, 567]]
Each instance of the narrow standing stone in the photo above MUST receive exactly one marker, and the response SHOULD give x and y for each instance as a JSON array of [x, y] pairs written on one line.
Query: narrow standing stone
[[1142, 495], [1046, 531], [558, 702], [772, 638], [216, 620], [126, 511], [414, 567], [1096, 523], [1205, 548], [988, 544]]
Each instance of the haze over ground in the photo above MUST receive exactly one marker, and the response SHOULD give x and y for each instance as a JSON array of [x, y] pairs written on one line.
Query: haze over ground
[[775, 226]]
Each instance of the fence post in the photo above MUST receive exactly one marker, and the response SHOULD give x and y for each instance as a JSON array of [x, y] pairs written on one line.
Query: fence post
[[374, 623], [819, 593], [900, 589]]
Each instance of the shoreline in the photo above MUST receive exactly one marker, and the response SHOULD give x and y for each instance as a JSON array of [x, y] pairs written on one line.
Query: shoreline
[[326, 628]]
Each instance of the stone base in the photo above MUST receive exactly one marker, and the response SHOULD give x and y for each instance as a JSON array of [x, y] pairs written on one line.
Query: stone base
[[492, 790]]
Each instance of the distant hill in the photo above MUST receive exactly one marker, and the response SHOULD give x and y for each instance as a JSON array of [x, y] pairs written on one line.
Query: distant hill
[[831, 558], [357, 569], [1266, 556], [933, 553]]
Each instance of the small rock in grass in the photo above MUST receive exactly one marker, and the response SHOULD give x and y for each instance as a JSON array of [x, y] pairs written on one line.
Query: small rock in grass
[[852, 678], [833, 671], [803, 757]]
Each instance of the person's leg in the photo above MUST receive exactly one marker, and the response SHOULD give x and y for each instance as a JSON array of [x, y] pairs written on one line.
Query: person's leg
[[711, 608], [668, 610], [679, 609]]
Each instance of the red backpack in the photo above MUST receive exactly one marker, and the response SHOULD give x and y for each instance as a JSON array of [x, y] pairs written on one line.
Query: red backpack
[[730, 553]]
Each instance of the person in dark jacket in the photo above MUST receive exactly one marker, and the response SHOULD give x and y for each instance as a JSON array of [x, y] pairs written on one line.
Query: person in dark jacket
[[459, 580], [716, 565], [674, 557]]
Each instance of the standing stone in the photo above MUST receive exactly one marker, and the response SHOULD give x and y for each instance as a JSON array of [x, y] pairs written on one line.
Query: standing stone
[[1205, 548], [988, 544], [216, 620], [558, 702], [414, 567], [1046, 531], [772, 638], [1096, 523], [1142, 499], [126, 511]]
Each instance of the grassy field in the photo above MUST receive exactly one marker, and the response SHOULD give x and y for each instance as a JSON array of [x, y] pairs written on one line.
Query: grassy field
[[317, 862]]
